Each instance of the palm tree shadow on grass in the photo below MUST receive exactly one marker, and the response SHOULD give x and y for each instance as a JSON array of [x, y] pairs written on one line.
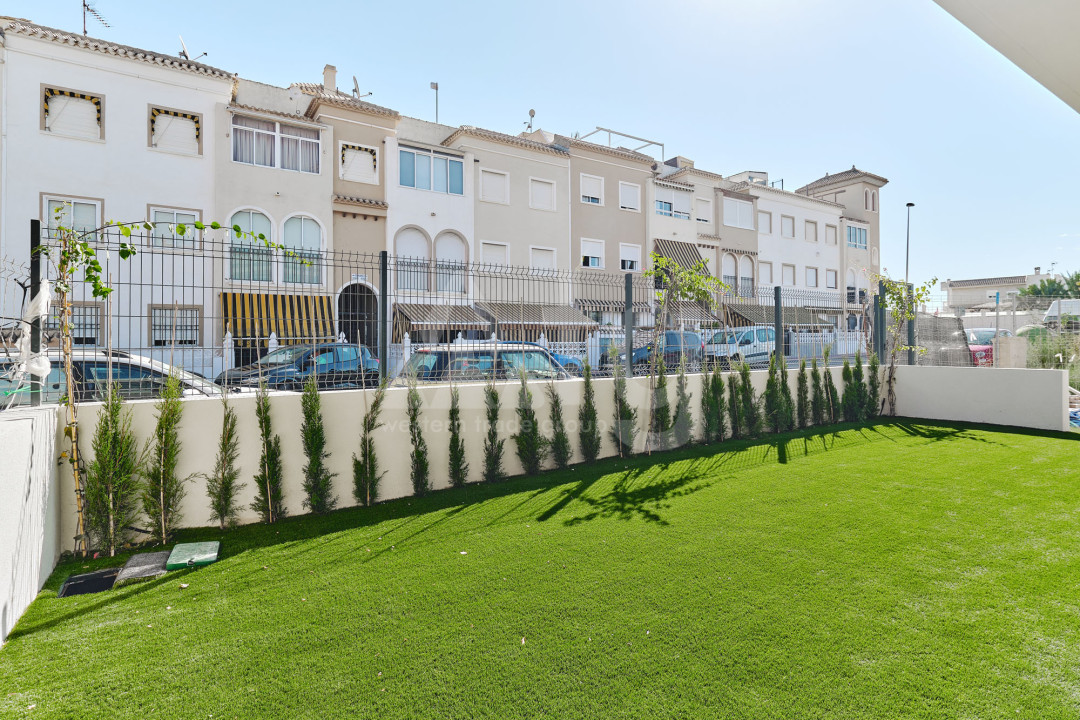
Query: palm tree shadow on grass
[[634, 495]]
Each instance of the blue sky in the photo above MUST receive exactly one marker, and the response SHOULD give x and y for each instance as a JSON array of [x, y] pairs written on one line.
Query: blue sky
[[793, 87]]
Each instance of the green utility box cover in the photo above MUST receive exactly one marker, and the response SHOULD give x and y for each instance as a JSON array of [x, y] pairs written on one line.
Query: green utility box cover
[[187, 555]]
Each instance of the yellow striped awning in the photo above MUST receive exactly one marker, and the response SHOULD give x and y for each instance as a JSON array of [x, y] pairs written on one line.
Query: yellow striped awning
[[251, 317]]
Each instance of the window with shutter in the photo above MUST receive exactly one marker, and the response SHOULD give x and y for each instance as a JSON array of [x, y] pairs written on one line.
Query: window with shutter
[[765, 273], [359, 163], [494, 187], [493, 253], [629, 257], [830, 234], [738, 213], [811, 277], [542, 258], [630, 196], [789, 274], [681, 204], [811, 231], [592, 253], [830, 279], [73, 114], [175, 131], [541, 194], [592, 189], [787, 226], [764, 222]]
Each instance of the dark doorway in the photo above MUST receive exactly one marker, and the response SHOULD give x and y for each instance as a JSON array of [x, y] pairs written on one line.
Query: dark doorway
[[358, 315]]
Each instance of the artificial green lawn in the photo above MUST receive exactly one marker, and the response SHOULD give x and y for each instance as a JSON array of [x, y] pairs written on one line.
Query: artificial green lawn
[[902, 569]]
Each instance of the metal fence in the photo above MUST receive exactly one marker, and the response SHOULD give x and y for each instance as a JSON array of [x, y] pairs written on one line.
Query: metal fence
[[232, 313]]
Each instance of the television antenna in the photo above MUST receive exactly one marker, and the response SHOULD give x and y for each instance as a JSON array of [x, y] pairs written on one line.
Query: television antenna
[[356, 89], [184, 51], [528, 125], [88, 8]]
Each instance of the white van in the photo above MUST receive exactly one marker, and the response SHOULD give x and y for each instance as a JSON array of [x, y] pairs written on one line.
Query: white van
[[731, 346]]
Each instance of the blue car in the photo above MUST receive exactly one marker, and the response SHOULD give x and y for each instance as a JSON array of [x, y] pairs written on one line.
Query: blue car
[[570, 364], [336, 366]]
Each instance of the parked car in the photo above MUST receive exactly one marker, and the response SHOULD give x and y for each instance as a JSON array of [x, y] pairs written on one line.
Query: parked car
[[981, 343], [336, 366], [728, 348], [135, 377], [483, 361], [675, 345], [569, 363]]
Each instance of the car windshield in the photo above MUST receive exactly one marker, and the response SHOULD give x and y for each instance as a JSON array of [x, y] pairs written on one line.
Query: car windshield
[[724, 338], [284, 356], [980, 337]]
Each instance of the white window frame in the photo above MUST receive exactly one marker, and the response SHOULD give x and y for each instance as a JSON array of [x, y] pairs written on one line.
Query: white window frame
[[860, 240], [582, 195], [835, 279], [504, 246], [603, 253], [835, 234], [806, 230], [554, 194], [342, 145], [709, 212], [554, 260], [806, 276], [667, 196], [505, 185], [784, 235], [768, 216], [738, 203], [47, 219], [637, 249], [637, 191], [277, 135], [257, 247], [762, 264], [192, 237], [783, 275], [430, 154]]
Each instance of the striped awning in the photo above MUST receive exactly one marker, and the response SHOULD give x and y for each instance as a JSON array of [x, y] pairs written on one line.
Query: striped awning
[[437, 317], [754, 314], [590, 305], [251, 317], [691, 312], [532, 314], [686, 255]]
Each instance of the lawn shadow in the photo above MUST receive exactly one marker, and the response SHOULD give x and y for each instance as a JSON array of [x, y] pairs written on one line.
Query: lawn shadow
[[635, 494]]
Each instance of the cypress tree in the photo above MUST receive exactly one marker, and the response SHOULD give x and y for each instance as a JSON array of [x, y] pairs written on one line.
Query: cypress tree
[[560, 441], [366, 475], [624, 428], [738, 428], [848, 400], [588, 424], [660, 427], [317, 477], [716, 389], [459, 468], [772, 397], [222, 486], [817, 396], [682, 428], [832, 397], [787, 404], [528, 441], [802, 405], [163, 489], [419, 466], [858, 383], [709, 415], [751, 412], [112, 483], [873, 400], [269, 502], [493, 446]]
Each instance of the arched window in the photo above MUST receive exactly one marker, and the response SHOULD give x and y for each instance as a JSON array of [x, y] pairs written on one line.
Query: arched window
[[250, 259], [866, 199], [873, 200], [729, 270], [411, 248], [450, 263], [746, 276], [303, 250], [873, 256]]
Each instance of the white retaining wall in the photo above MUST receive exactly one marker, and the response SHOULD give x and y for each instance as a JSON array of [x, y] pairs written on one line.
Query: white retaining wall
[[29, 509]]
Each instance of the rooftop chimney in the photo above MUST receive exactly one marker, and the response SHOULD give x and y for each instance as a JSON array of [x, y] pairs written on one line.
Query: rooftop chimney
[[329, 78], [1037, 269]]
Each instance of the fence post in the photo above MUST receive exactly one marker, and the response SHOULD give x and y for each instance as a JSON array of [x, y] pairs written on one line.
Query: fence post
[[384, 314], [912, 312], [628, 323], [778, 323], [36, 382], [881, 313]]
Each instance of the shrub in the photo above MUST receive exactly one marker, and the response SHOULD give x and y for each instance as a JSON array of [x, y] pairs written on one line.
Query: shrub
[[528, 441], [772, 397], [738, 429], [560, 441], [831, 398], [112, 482], [624, 428], [222, 486], [802, 406], [873, 396], [716, 389], [848, 400], [682, 424], [858, 383], [419, 467], [817, 396], [588, 424], [751, 412], [269, 502], [366, 475], [787, 404], [317, 477], [709, 413], [163, 489], [660, 425], [459, 468], [493, 446]]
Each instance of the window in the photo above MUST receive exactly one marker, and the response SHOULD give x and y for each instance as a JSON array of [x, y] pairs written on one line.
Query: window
[[856, 237], [811, 277], [175, 131], [250, 259], [542, 258], [592, 189], [166, 232], [592, 253], [495, 187], [411, 247], [299, 148], [830, 234], [830, 279], [449, 263], [303, 251], [629, 257], [179, 325], [873, 256], [359, 163], [873, 200], [765, 273], [764, 222], [431, 170], [493, 253], [811, 231], [85, 323], [789, 274], [79, 216], [253, 141], [630, 196], [541, 194], [673, 203], [257, 142], [787, 226], [729, 269], [866, 199], [703, 210], [73, 114], [738, 213]]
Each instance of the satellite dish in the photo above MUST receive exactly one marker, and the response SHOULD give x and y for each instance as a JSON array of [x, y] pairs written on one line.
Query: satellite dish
[[183, 48], [355, 87], [532, 113]]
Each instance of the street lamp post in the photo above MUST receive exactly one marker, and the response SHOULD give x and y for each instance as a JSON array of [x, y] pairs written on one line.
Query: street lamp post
[[435, 87], [907, 246]]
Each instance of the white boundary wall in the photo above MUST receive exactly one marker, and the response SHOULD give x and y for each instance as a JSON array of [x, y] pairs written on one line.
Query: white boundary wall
[[29, 509]]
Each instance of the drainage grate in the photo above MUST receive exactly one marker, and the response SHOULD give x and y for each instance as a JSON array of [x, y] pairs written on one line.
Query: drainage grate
[[87, 583]]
